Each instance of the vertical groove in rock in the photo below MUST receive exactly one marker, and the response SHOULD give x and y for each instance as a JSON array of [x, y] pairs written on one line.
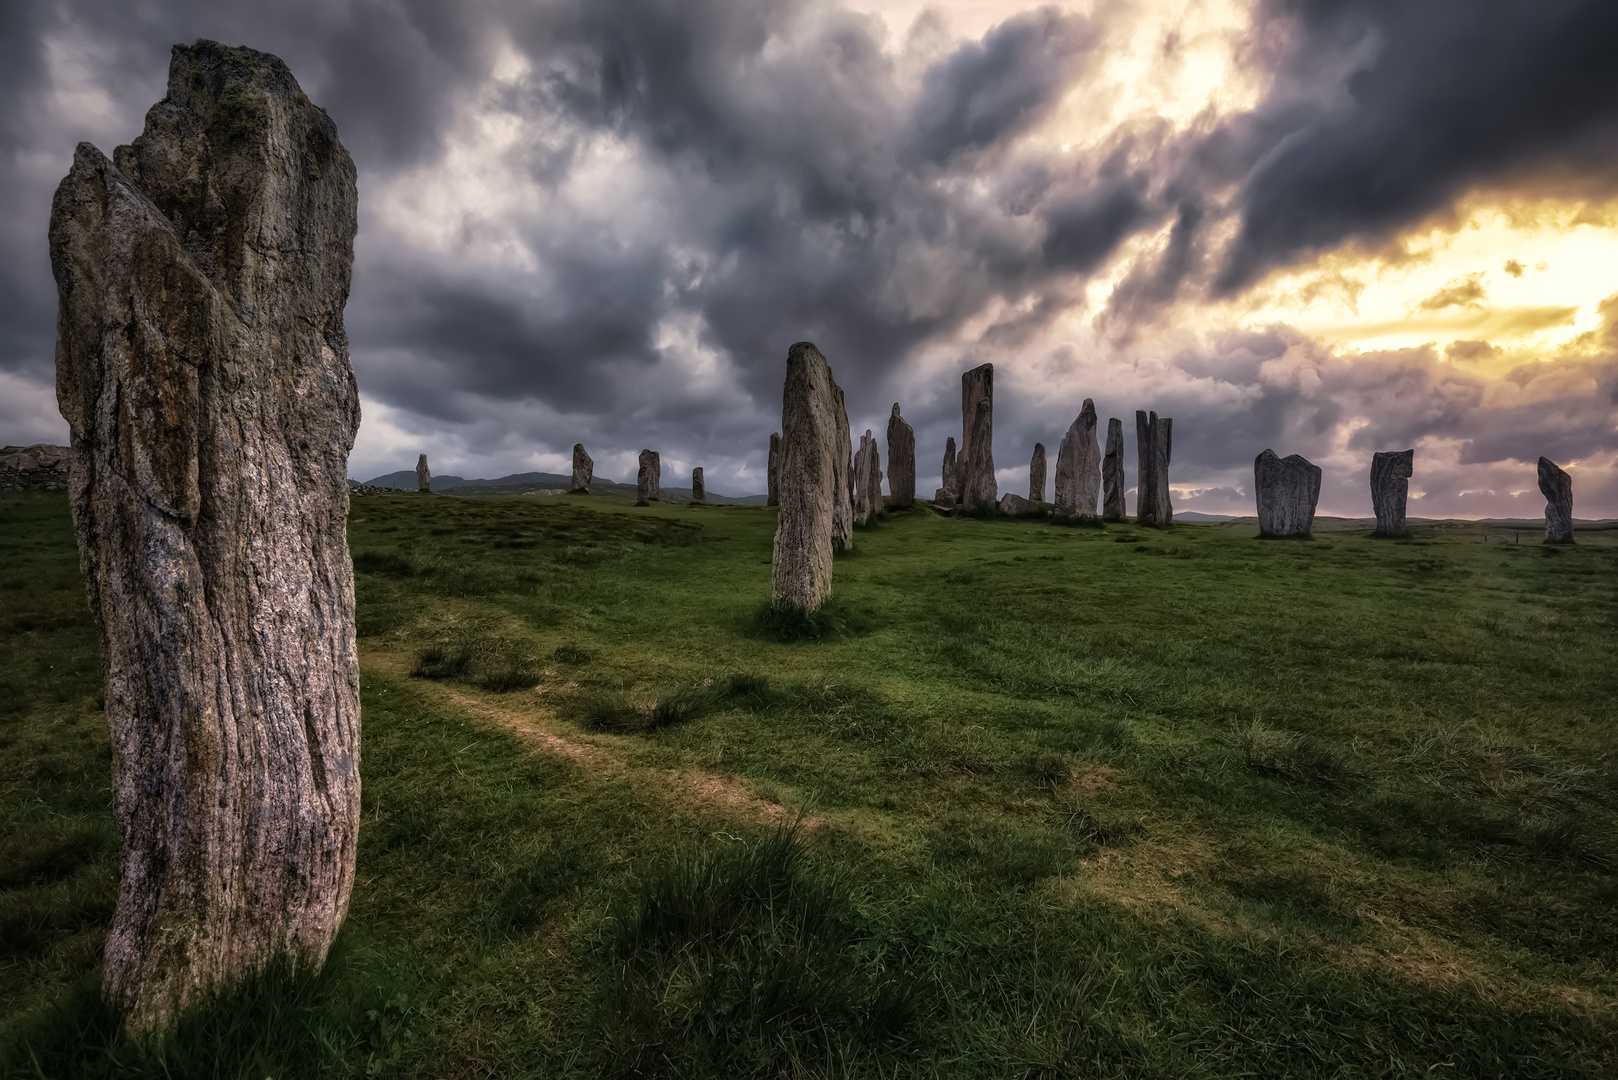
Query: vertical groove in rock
[[203, 369]]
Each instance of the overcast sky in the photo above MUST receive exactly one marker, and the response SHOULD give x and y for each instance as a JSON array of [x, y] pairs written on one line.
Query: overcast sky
[[1324, 228]]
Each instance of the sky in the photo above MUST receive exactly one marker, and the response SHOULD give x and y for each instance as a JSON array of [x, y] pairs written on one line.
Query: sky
[[1322, 227]]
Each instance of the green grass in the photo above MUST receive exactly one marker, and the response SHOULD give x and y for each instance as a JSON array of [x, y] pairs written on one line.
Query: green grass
[[1069, 802]]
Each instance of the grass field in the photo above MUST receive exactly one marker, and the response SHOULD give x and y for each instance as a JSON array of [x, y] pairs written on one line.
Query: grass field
[[1042, 802]]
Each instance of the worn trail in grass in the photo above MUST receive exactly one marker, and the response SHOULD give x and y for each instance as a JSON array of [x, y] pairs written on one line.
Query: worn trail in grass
[[1098, 802]]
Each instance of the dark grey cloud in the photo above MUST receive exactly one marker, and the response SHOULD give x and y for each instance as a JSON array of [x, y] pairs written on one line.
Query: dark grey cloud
[[1449, 95]]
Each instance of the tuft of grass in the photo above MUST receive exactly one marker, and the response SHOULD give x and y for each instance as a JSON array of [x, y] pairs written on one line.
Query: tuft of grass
[[1291, 756], [439, 661], [572, 654], [832, 621], [505, 676], [749, 959]]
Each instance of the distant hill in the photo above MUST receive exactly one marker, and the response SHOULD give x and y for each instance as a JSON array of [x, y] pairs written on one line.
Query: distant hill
[[523, 483]]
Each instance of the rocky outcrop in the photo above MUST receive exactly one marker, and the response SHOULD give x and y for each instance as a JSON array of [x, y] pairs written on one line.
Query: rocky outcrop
[[1078, 468], [948, 495], [1390, 476], [774, 473], [1014, 505], [39, 466], [901, 462], [649, 478], [1112, 473], [1154, 441], [1287, 490], [584, 470], [842, 526], [203, 369], [978, 489], [1557, 487], [699, 490], [424, 476], [1036, 474], [801, 566]]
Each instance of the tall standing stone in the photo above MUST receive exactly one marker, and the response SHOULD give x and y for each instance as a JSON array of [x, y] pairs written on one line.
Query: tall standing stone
[[1557, 487], [1078, 467], [978, 489], [1112, 473], [203, 370], [950, 493], [584, 470], [649, 478], [699, 490], [1154, 439], [1036, 474], [1287, 490], [873, 468], [424, 476], [1390, 475], [862, 480], [901, 462], [802, 561], [842, 530], [774, 471]]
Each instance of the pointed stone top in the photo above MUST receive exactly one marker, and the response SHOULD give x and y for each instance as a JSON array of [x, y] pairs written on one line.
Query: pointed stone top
[[895, 408]]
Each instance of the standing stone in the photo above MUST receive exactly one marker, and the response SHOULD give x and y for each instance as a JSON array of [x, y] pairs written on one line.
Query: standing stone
[[1390, 475], [810, 443], [1557, 487], [649, 478], [1036, 474], [424, 476], [699, 490], [978, 489], [873, 465], [1112, 473], [862, 481], [203, 370], [774, 468], [842, 531], [584, 470], [901, 462], [950, 493], [1287, 490], [1078, 467], [1153, 442]]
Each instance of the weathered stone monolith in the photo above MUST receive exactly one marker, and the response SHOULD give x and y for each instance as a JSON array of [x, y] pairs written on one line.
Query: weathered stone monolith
[[1036, 474], [810, 443], [901, 462], [1014, 505], [862, 479], [1287, 490], [978, 489], [842, 532], [1078, 468], [949, 494], [649, 478], [873, 469], [1390, 475], [584, 470], [1557, 487], [1153, 442], [1112, 473], [774, 471], [203, 370], [424, 476], [699, 490]]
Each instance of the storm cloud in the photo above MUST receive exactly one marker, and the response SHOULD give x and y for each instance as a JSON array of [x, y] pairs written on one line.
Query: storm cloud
[[606, 220]]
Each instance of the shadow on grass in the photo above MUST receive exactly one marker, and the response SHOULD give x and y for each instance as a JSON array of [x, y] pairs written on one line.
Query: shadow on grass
[[748, 959], [832, 621], [277, 1024]]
